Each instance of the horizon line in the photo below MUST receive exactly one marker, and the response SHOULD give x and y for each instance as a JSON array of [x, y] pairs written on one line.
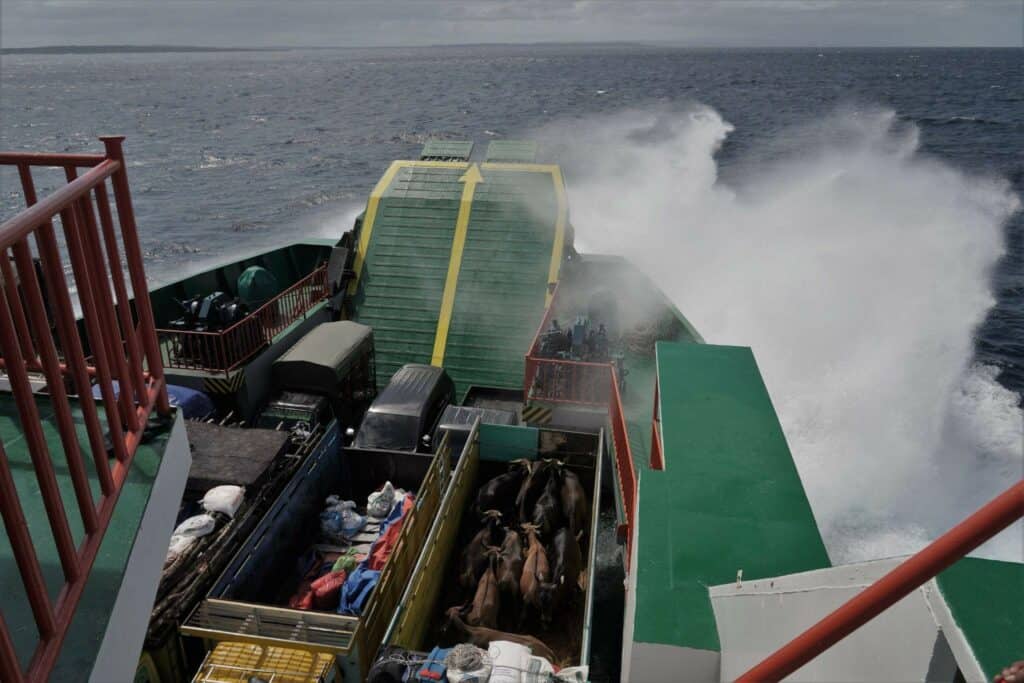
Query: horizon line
[[171, 47]]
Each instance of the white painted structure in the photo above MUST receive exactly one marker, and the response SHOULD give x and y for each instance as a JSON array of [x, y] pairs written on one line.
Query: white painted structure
[[914, 640], [118, 656]]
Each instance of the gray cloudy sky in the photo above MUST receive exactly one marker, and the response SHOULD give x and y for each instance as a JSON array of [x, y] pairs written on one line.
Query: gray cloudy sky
[[423, 22]]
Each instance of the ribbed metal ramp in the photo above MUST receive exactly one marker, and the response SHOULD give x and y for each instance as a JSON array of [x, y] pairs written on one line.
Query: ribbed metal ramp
[[456, 262], [503, 281], [406, 264]]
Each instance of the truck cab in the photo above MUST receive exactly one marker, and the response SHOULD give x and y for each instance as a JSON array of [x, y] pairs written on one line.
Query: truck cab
[[405, 414]]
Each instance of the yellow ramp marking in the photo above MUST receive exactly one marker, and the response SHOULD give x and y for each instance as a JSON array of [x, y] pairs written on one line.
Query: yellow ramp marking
[[470, 179], [556, 248], [371, 215], [560, 222], [371, 209]]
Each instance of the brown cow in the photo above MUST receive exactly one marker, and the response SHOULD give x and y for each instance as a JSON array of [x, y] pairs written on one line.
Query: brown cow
[[482, 636], [535, 571], [530, 490], [486, 601], [547, 513], [567, 569], [510, 565], [500, 492], [574, 503], [474, 558]]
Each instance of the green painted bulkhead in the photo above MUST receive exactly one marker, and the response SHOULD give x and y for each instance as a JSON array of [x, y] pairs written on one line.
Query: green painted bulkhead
[[729, 498], [985, 599]]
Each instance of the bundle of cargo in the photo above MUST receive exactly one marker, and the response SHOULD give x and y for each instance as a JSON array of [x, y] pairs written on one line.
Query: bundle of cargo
[[340, 570], [313, 532], [236, 474]]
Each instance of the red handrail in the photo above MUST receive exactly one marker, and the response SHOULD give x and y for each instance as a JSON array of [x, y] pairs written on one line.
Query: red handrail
[[998, 514], [624, 463], [226, 350], [39, 334]]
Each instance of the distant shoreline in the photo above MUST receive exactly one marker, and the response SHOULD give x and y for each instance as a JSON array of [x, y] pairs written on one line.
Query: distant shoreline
[[113, 49], [662, 45]]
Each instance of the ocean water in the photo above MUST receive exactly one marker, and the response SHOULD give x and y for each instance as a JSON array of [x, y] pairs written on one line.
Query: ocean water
[[853, 215]]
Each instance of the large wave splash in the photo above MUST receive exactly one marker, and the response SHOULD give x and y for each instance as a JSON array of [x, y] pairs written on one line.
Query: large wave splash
[[857, 269]]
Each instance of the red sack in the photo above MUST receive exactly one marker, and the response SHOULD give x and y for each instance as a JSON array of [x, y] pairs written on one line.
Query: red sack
[[303, 598], [385, 544], [327, 590]]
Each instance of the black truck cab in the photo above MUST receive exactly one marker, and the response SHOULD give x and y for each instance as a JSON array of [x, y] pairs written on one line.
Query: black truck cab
[[405, 413]]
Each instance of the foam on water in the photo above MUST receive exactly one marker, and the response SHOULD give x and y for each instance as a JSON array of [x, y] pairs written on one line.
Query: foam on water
[[858, 269]]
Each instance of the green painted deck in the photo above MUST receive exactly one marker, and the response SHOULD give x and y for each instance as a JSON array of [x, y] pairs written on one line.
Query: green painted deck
[[90, 620], [502, 284], [404, 271], [520, 151], [729, 498], [986, 597], [511, 229], [447, 150]]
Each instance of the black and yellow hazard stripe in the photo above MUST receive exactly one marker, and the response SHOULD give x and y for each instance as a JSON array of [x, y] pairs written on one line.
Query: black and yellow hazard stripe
[[537, 414], [224, 385]]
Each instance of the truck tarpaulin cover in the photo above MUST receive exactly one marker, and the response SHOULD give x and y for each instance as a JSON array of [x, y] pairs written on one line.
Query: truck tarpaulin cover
[[321, 359], [194, 404]]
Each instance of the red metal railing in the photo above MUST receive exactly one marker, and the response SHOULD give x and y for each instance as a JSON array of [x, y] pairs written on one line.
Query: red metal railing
[[624, 463], [228, 349], [39, 335], [566, 381], [657, 452], [998, 514], [555, 380]]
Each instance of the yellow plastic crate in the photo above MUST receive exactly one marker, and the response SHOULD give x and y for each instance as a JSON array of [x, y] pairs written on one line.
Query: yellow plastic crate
[[238, 662]]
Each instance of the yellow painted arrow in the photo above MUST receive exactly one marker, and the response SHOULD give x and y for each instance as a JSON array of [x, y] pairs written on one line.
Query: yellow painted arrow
[[470, 179]]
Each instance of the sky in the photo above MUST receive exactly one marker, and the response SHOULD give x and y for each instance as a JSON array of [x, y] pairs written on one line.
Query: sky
[[340, 23]]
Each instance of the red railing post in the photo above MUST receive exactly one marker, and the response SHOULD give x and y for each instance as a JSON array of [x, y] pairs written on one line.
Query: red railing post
[[28, 303], [17, 311], [24, 551], [124, 309], [133, 255], [34, 437], [55, 383], [67, 333], [94, 329], [100, 286], [998, 514], [10, 669]]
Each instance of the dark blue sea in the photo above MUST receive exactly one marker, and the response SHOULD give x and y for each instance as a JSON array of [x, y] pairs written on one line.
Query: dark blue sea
[[231, 149], [920, 148]]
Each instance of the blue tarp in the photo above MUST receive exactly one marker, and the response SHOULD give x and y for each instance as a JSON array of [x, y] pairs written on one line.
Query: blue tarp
[[192, 403], [361, 582]]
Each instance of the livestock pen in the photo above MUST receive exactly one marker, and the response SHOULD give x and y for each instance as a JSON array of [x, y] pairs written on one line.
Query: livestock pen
[[420, 621]]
